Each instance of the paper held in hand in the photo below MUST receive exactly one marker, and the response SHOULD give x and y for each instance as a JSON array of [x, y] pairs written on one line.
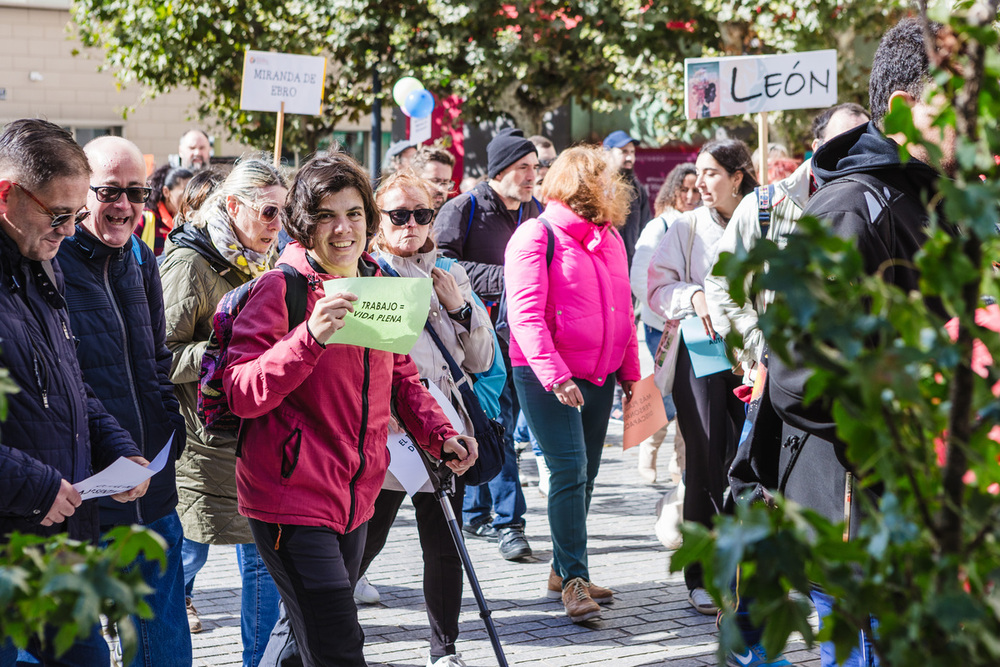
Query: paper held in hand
[[122, 475], [388, 315], [707, 356], [644, 413]]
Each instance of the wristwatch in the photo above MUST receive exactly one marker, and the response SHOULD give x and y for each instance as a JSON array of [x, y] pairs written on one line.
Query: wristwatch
[[462, 314]]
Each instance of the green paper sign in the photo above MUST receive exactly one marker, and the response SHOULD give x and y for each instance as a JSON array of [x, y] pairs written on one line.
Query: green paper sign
[[389, 314]]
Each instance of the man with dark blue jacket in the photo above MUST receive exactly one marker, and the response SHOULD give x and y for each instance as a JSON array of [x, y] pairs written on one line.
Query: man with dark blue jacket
[[116, 309], [57, 432]]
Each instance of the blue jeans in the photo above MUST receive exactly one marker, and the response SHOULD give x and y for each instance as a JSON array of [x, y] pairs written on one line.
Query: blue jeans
[[503, 493], [572, 441], [862, 656], [258, 603], [259, 597], [165, 638], [194, 555], [523, 434], [92, 650], [652, 341]]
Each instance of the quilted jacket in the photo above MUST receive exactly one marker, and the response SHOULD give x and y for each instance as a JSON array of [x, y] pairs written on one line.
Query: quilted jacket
[[573, 318], [56, 428], [116, 308]]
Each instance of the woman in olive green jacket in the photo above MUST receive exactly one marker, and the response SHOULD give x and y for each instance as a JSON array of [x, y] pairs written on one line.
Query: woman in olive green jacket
[[228, 242]]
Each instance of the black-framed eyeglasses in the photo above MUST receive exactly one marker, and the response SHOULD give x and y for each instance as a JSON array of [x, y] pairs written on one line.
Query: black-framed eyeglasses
[[58, 219], [401, 216], [109, 194]]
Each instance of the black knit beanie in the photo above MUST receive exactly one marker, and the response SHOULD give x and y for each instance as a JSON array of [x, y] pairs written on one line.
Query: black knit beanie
[[506, 148]]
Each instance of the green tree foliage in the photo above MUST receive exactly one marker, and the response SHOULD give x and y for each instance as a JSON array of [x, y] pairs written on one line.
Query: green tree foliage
[[521, 58], [921, 426], [62, 583]]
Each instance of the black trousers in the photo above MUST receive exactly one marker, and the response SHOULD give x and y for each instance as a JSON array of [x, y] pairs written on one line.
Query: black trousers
[[442, 564], [710, 418], [315, 570]]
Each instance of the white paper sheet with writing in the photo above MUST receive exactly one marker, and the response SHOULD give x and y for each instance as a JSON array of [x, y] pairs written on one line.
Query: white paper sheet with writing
[[122, 475], [406, 464]]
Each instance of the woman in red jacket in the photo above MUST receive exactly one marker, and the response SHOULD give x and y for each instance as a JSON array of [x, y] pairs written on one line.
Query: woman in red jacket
[[572, 336], [316, 413]]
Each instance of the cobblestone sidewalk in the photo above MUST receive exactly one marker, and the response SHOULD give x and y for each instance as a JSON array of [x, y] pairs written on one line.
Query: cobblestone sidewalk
[[649, 623]]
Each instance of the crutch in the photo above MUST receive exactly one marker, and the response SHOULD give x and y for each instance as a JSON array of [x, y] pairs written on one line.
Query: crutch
[[444, 487]]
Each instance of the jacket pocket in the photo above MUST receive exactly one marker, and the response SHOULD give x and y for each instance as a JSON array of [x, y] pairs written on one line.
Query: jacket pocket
[[290, 453]]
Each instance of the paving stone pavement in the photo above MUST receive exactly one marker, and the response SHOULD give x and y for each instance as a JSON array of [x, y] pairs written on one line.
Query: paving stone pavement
[[649, 623]]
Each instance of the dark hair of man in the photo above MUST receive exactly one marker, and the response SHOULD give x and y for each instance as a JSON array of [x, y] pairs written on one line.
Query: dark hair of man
[[821, 121], [165, 177], [540, 141], [734, 156], [672, 185], [326, 174], [427, 154], [900, 64], [33, 152], [196, 192]]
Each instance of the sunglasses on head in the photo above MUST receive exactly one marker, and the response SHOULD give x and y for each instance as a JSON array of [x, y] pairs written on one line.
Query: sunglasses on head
[[108, 194], [401, 216], [58, 219]]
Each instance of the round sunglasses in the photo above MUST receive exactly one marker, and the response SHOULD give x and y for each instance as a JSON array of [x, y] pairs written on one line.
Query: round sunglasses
[[400, 216]]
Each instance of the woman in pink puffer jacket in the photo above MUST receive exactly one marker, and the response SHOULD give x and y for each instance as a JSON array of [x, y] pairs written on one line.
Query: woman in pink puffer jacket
[[572, 336]]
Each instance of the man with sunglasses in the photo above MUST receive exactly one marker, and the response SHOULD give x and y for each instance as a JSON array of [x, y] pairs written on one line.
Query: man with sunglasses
[[115, 304], [57, 432]]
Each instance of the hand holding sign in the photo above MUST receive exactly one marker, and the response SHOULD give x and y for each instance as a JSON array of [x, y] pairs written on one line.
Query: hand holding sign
[[388, 313], [328, 314]]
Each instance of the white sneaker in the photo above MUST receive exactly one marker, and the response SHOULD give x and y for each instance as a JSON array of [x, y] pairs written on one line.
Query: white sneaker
[[365, 593], [702, 602], [447, 661]]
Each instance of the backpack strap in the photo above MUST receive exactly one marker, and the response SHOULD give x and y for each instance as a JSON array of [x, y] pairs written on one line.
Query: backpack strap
[[472, 212], [296, 289], [550, 244]]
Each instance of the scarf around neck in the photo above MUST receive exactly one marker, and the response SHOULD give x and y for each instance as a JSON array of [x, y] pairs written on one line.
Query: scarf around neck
[[220, 230]]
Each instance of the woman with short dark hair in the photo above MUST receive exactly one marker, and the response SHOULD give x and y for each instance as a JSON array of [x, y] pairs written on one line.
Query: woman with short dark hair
[[316, 413], [572, 337]]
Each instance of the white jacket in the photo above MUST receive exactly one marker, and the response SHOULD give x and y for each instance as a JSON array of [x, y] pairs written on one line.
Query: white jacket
[[669, 293], [790, 197], [651, 235]]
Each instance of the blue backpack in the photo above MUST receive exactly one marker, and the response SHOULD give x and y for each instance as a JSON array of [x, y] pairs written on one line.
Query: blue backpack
[[489, 384]]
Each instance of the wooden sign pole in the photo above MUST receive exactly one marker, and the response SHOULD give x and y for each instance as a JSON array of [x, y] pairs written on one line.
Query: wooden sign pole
[[278, 133], [762, 142]]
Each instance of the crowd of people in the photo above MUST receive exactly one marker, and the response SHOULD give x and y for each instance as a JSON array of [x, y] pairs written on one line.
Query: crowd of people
[[112, 281]]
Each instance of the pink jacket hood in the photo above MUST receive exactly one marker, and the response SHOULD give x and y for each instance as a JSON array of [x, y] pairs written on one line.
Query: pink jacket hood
[[573, 318]]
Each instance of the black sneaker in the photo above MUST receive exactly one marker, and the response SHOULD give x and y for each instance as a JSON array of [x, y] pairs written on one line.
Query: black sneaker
[[482, 531], [513, 544]]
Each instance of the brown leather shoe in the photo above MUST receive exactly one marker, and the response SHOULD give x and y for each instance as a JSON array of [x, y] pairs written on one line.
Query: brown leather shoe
[[598, 594], [194, 623], [579, 605]]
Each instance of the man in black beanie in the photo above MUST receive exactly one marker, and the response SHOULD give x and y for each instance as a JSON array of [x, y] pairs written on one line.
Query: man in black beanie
[[474, 228]]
